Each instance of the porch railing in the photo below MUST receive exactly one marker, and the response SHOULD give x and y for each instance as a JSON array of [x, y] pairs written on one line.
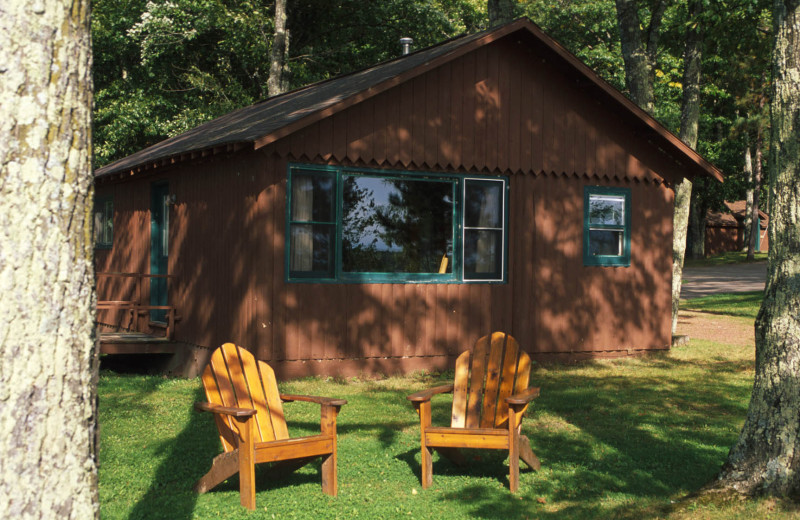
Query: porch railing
[[136, 305]]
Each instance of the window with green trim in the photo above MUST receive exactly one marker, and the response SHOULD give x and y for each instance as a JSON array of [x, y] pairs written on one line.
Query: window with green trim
[[103, 222], [606, 226], [357, 225]]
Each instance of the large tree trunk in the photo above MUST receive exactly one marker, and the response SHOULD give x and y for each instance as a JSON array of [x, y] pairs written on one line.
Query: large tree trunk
[[48, 358], [690, 116], [765, 459], [278, 53], [500, 11], [748, 205], [639, 50]]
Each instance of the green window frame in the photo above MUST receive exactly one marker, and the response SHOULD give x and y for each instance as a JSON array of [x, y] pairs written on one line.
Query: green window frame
[[358, 225], [103, 222], [606, 226]]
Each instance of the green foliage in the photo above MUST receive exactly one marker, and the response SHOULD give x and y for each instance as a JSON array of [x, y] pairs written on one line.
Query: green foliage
[[163, 67], [586, 28]]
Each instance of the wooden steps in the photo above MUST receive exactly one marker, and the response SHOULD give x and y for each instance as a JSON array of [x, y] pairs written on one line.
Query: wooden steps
[[135, 343]]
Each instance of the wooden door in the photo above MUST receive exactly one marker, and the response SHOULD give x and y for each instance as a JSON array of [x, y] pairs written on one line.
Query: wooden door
[[159, 247]]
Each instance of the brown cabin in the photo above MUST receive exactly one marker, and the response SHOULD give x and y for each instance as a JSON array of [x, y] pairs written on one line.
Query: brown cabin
[[383, 220], [725, 229]]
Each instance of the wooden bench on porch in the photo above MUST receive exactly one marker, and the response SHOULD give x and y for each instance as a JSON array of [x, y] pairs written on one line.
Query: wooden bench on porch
[[131, 340]]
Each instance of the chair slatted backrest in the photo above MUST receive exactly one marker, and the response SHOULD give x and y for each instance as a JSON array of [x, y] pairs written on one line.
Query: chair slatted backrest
[[234, 378], [494, 369]]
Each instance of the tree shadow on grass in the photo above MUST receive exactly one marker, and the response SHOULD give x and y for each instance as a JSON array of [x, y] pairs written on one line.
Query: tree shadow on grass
[[185, 458], [480, 463], [620, 446]]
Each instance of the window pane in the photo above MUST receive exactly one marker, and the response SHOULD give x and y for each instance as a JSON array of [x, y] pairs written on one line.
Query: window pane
[[605, 242], [108, 225], [312, 248], [165, 227], [606, 210], [483, 254], [482, 204], [99, 228], [312, 197], [396, 225]]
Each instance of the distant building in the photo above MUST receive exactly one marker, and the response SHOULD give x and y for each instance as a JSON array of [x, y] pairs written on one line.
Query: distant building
[[725, 229]]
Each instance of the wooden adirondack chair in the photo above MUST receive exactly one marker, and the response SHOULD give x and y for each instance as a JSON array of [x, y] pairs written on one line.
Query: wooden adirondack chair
[[490, 394], [243, 396]]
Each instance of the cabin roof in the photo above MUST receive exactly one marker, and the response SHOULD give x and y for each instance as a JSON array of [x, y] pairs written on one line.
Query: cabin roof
[[260, 124], [734, 216]]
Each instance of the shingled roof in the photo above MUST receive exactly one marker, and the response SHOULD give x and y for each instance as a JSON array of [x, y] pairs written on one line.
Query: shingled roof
[[734, 217], [263, 123]]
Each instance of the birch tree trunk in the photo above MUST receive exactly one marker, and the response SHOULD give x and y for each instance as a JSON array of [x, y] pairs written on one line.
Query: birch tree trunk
[[755, 227], [690, 117], [748, 206], [766, 457], [278, 52], [48, 359]]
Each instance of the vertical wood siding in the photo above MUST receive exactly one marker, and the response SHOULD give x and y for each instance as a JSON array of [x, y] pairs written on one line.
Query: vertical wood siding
[[500, 110]]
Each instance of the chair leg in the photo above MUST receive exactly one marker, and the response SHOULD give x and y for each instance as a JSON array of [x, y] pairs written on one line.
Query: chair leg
[[247, 467], [224, 466], [513, 453], [527, 455], [427, 467], [426, 461], [330, 484], [329, 479]]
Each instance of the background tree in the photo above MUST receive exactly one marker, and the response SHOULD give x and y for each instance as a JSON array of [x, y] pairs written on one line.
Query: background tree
[[48, 362], [500, 11], [690, 120], [639, 47], [279, 52]]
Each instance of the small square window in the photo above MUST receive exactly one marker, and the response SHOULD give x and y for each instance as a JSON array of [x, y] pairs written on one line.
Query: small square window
[[606, 226]]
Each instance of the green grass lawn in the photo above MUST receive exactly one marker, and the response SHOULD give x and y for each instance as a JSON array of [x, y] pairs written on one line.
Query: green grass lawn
[[733, 257], [741, 305], [617, 439]]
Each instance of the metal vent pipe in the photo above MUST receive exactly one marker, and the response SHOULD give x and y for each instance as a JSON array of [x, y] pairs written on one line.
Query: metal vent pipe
[[405, 45]]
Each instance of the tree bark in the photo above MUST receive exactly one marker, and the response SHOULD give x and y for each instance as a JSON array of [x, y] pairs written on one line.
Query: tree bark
[[278, 53], [697, 223], [755, 227], [500, 11], [639, 51], [765, 459], [748, 207], [48, 358], [690, 117]]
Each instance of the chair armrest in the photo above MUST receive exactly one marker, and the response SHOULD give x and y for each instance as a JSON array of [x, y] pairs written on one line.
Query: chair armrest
[[226, 410], [524, 397], [288, 398], [425, 395]]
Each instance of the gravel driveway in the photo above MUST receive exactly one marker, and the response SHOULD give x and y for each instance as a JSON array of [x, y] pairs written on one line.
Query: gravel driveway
[[702, 281]]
